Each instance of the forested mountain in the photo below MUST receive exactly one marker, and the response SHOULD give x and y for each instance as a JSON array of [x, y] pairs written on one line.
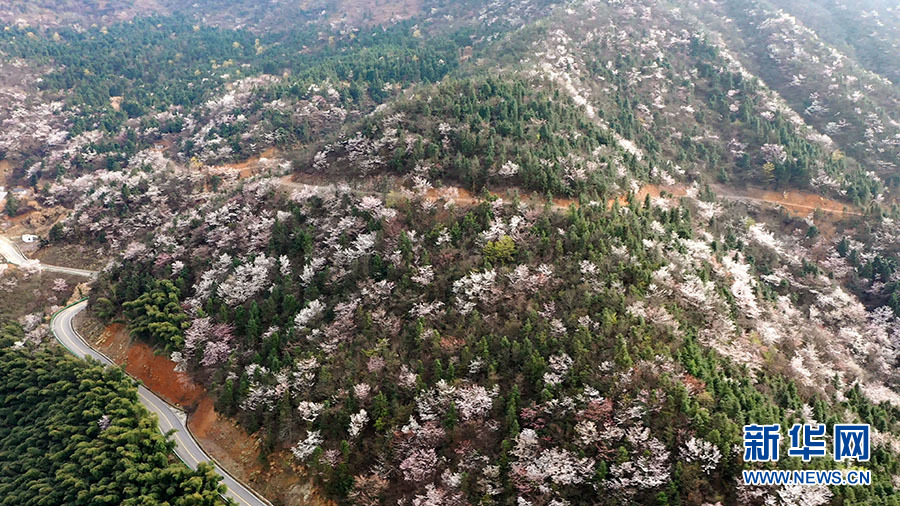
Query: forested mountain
[[481, 252], [866, 32]]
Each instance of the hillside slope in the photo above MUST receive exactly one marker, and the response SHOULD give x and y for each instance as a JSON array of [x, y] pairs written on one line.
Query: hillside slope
[[476, 254]]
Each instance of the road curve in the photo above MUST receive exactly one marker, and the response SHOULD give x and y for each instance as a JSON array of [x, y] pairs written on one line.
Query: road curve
[[186, 447], [13, 255]]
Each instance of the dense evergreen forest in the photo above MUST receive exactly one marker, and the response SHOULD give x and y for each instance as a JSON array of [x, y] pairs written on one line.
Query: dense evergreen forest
[[125, 103], [490, 132], [429, 310], [74, 433]]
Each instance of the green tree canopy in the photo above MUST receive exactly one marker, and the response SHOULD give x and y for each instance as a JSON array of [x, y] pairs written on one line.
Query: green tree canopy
[[157, 315], [73, 432]]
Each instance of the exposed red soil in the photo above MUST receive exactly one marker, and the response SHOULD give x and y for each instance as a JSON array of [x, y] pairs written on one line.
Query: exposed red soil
[[249, 166], [796, 202], [157, 372], [802, 203], [654, 191], [464, 197]]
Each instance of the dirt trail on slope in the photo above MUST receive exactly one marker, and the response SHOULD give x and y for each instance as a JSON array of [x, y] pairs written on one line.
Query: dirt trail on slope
[[463, 197], [655, 192], [248, 167], [797, 202]]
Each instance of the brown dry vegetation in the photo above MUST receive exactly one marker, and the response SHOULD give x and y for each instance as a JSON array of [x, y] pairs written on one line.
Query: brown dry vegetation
[[68, 255], [54, 13], [370, 12], [50, 14], [21, 295]]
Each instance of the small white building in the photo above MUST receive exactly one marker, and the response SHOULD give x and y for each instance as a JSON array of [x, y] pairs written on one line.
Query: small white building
[[29, 238]]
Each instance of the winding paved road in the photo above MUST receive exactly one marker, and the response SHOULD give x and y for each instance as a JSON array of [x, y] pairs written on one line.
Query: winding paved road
[[186, 447], [13, 255]]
